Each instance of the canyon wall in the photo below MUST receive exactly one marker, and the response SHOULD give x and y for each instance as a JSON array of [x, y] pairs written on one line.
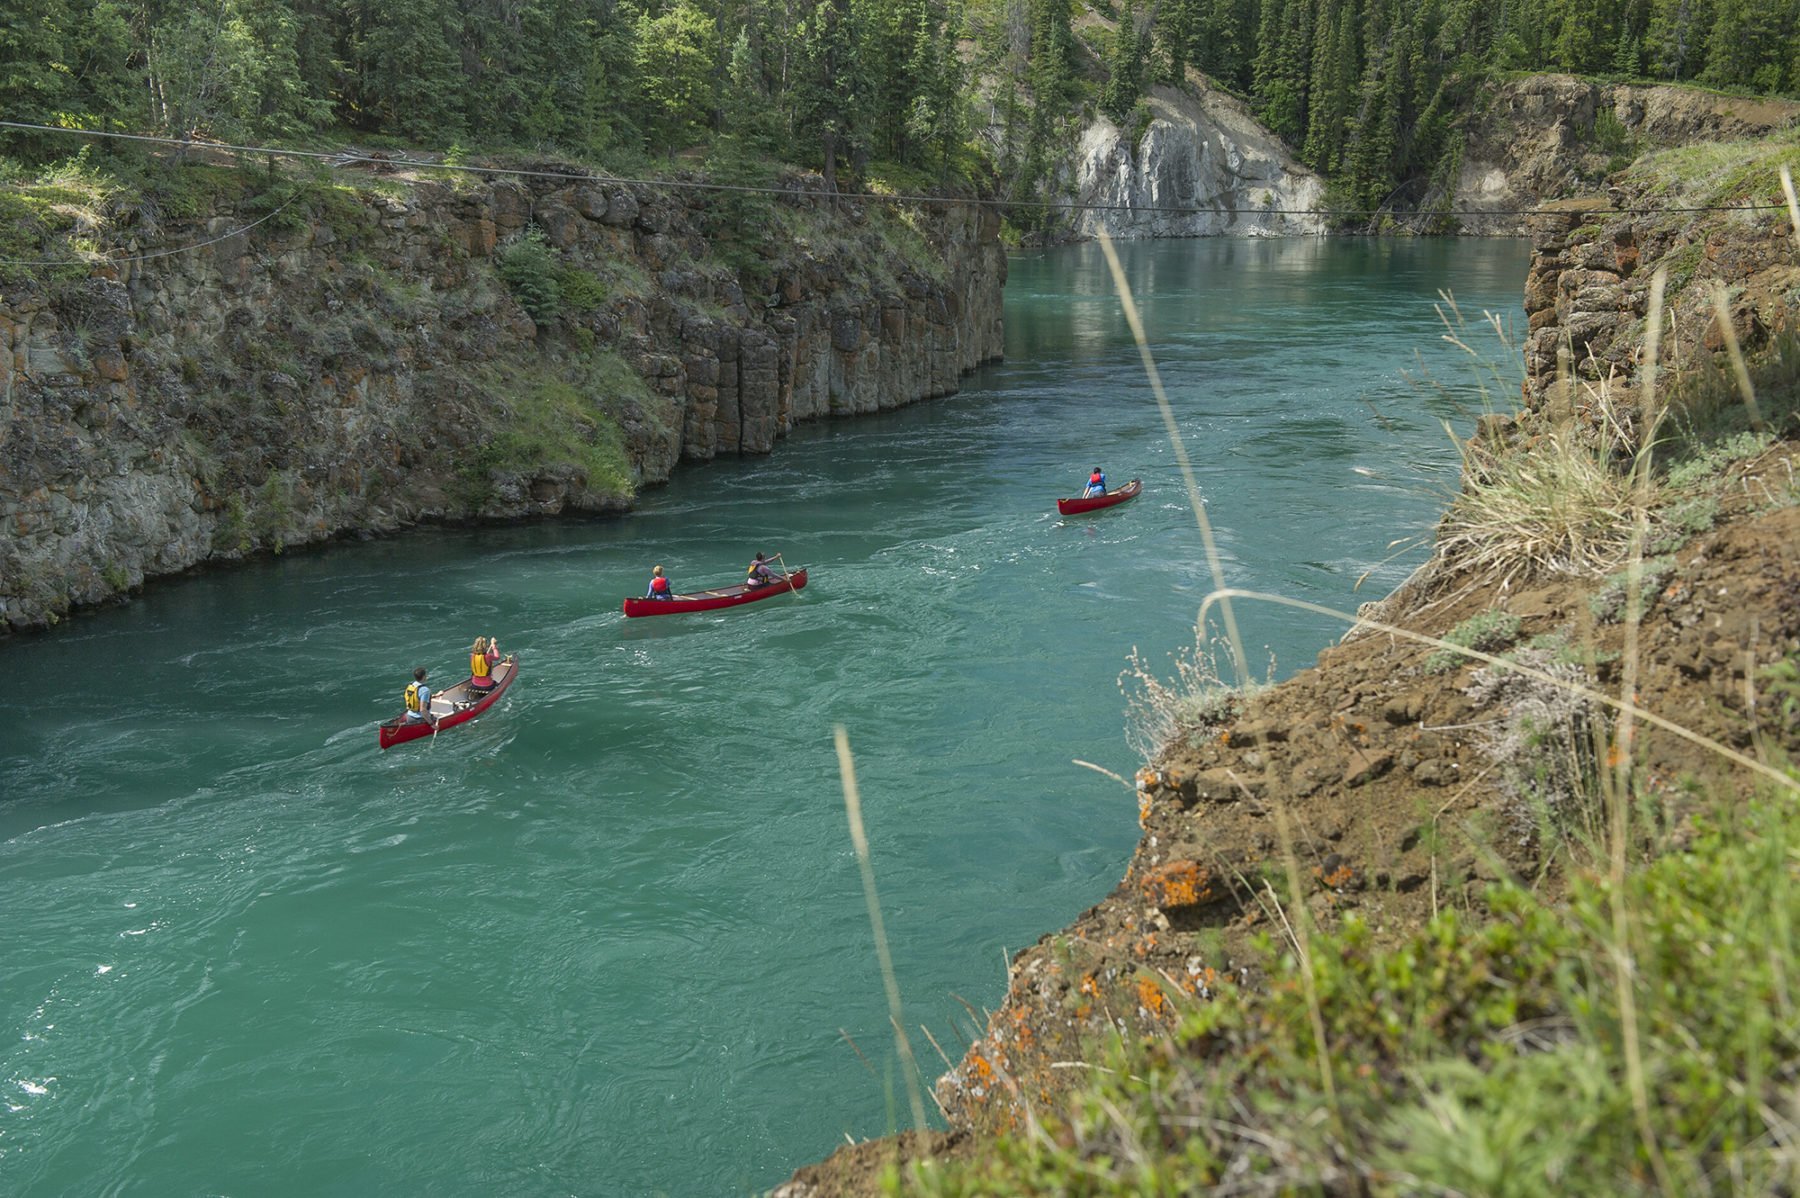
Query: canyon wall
[[307, 357]]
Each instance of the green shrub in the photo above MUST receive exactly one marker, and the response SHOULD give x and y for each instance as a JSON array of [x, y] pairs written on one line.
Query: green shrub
[[1681, 522], [1468, 1059], [554, 419], [529, 270], [1709, 461], [581, 290], [1489, 631]]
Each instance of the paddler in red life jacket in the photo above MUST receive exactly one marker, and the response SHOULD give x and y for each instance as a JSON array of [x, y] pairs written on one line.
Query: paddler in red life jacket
[[481, 666], [659, 586], [1096, 484]]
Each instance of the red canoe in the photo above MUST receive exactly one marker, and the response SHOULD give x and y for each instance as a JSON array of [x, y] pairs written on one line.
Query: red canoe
[[1069, 507], [452, 706], [713, 600]]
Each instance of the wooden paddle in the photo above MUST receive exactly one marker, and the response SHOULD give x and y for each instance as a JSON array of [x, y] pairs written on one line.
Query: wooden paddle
[[788, 578]]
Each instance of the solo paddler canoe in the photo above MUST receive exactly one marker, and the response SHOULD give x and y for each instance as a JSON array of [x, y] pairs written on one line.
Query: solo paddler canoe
[[452, 706], [715, 599], [1070, 507]]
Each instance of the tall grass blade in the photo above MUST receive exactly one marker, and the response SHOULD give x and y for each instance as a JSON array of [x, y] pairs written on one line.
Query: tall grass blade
[[853, 809], [1787, 185], [1239, 661], [1623, 958], [1739, 369]]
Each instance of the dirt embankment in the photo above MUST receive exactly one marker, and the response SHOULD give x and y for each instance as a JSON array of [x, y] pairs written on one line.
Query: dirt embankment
[[1398, 780]]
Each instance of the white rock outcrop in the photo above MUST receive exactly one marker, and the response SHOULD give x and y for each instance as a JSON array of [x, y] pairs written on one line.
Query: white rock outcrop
[[1204, 167]]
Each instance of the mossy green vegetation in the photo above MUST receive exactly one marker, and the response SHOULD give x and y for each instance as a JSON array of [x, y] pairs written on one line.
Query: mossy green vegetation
[[1724, 173], [1479, 1056], [550, 417]]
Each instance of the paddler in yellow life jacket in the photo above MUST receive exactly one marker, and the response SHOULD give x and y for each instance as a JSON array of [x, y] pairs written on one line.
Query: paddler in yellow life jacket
[[418, 699], [760, 574], [481, 665]]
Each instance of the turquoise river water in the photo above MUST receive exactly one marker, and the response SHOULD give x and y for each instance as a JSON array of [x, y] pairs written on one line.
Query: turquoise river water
[[611, 937]]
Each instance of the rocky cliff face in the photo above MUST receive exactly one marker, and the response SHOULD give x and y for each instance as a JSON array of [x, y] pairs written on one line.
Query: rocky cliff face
[[1551, 136], [1588, 291], [1203, 166], [352, 360]]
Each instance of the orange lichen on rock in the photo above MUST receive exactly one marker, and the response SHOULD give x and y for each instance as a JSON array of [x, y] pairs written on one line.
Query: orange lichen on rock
[[1178, 884], [1340, 875], [1151, 999]]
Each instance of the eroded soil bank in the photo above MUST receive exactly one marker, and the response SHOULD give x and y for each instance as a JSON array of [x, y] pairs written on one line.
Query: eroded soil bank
[[1402, 779]]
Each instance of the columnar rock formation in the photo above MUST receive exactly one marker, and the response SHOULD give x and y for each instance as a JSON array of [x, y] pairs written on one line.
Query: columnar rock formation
[[1588, 292], [352, 361]]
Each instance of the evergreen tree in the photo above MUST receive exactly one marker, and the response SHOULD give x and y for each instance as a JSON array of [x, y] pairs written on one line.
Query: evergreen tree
[[676, 59], [828, 103], [1126, 65], [1283, 62], [1675, 45], [65, 62], [938, 119], [1224, 46], [1331, 87], [404, 71], [1176, 29], [226, 68], [1750, 44]]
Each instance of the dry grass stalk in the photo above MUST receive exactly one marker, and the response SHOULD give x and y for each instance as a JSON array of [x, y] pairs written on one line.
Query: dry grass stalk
[[853, 808], [1739, 369], [1787, 185], [1300, 928], [1623, 957], [1558, 509], [1213, 559]]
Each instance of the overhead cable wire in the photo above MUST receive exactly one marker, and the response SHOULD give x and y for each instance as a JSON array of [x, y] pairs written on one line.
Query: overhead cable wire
[[353, 157], [108, 259]]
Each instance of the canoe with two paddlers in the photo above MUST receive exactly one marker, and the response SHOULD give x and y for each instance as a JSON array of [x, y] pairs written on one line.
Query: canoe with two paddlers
[[451, 706], [1070, 507], [718, 597]]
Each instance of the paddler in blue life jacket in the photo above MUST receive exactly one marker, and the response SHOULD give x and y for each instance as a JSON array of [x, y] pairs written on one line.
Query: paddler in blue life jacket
[[1096, 484], [659, 586], [418, 699], [760, 574]]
